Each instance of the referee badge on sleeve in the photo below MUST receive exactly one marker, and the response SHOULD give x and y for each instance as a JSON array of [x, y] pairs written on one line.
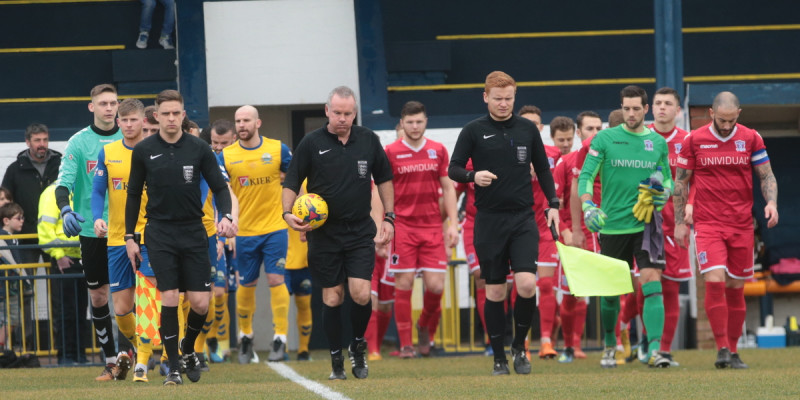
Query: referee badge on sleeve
[[188, 173]]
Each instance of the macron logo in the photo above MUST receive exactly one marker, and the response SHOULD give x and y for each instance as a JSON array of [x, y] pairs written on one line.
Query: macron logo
[[156, 156], [488, 136], [321, 152]]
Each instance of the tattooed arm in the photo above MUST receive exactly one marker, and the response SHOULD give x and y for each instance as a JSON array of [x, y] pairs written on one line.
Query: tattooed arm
[[679, 199], [769, 188]]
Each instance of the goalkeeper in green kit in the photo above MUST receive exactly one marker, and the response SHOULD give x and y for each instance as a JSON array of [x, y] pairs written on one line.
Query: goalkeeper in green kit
[[627, 157]]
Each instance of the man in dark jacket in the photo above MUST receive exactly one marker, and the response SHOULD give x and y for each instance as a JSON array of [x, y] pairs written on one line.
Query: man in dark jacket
[[34, 170]]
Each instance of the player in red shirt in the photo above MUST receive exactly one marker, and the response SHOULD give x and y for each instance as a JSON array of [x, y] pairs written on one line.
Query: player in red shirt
[[562, 131], [718, 161], [573, 309], [666, 107], [382, 285], [419, 166]]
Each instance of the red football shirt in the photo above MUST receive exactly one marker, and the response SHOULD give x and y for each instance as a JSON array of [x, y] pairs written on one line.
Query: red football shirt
[[722, 180], [674, 140], [416, 182], [562, 175], [576, 171], [540, 201], [469, 190]]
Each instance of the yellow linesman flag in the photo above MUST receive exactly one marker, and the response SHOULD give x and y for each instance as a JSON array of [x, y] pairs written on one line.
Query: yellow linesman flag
[[593, 274]]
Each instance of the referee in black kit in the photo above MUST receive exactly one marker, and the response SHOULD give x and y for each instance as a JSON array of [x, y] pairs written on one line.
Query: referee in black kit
[[173, 164], [502, 146], [338, 160]]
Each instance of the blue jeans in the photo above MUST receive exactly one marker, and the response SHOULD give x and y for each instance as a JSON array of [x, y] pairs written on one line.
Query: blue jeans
[[148, 6]]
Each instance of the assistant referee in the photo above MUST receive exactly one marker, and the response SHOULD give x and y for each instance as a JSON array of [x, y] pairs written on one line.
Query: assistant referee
[[339, 159], [502, 147], [173, 164]]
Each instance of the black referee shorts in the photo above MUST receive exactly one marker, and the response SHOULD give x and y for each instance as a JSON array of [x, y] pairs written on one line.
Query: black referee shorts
[[94, 253], [179, 255], [628, 247], [506, 240], [339, 250]]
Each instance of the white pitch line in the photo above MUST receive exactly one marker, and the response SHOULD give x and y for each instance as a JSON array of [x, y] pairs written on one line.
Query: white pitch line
[[322, 390]]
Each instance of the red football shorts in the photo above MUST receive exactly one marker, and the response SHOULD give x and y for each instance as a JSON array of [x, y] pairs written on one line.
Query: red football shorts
[[417, 250], [732, 251], [467, 231], [678, 267], [382, 282]]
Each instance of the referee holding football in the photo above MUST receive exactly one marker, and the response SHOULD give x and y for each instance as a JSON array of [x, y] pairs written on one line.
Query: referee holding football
[[338, 159], [502, 147], [173, 164]]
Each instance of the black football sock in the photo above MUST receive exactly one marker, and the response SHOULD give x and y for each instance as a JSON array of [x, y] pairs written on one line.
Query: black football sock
[[194, 323], [523, 314], [332, 322], [169, 335], [359, 318], [101, 317], [495, 326]]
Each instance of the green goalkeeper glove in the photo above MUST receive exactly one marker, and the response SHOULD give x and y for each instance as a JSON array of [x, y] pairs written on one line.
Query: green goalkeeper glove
[[593, 217]]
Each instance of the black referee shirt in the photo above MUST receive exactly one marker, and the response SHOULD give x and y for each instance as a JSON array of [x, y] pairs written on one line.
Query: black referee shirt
[[173, 172], [506, 149], [340, 173]]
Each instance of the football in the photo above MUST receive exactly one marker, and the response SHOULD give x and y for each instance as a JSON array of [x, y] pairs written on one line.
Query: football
[[311, 208]]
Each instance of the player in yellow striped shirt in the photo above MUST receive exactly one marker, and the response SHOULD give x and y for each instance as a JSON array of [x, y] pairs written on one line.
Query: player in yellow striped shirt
[[111, 178], [255, 166]]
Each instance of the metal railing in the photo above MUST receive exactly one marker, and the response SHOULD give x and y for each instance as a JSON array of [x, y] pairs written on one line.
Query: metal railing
[[27, 313]]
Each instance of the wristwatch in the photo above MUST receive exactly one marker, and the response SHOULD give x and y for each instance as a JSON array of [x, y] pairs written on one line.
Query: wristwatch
[[389, 215], [229, 217]]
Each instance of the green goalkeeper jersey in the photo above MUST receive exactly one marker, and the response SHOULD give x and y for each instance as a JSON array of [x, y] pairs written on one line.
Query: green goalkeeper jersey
[[623, 159], [77, 171]]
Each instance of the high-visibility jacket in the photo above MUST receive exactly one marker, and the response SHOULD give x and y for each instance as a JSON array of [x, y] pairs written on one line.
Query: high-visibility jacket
[[51, 228]]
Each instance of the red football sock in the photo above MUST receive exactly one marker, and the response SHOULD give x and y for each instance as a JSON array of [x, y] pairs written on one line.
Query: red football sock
[[567, 311], [737, 311], [640, 304], [578, 321], [431, 312], [480, 300], [402, 316], [717, 311], [384, 317], [672, 310], [547, 306], [623, 300], [627, 310], [371, 335]]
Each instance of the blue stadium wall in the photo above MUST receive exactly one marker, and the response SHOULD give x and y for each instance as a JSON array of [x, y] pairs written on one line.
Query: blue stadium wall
[[405, 44]]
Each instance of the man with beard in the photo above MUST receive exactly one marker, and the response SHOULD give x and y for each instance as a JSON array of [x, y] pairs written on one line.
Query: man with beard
[[255, 166], [720, 155], [624, 156], [34, 169]]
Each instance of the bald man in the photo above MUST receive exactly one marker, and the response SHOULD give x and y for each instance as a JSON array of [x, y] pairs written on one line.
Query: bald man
[[255, 167], [718, 159]]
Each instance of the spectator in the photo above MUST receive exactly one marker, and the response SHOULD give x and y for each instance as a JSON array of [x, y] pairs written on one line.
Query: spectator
[[67, 297], [11, 218], [26, 178], [145, 22], [5, 196]]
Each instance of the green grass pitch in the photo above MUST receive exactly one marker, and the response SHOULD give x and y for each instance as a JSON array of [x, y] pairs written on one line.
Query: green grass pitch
[[773, 374]]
